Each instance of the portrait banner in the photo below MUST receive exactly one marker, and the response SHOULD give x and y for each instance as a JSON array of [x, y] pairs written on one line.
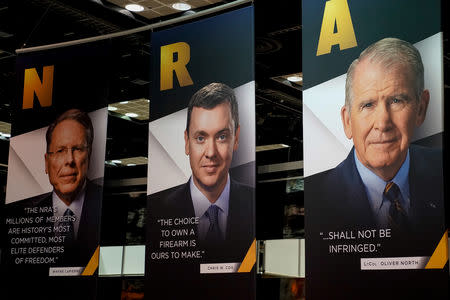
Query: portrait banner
[[201, 163], [372, 133], [56, 162]]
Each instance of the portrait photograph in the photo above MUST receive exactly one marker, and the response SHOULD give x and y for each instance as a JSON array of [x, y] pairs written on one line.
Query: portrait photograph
[[206, 152], [54, 193]]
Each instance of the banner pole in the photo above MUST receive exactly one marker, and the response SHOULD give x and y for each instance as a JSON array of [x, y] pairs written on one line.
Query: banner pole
[[135, 30]]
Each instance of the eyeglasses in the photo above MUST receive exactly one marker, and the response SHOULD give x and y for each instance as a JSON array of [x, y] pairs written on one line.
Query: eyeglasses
[[61, 153]]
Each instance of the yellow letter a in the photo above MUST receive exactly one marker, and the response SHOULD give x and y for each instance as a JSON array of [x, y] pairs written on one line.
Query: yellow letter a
[[168, 65], [32, 84], [336, 11]]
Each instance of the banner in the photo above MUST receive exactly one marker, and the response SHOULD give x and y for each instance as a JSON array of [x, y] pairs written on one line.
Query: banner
[[373, 124], [200, 225], [56, 162]]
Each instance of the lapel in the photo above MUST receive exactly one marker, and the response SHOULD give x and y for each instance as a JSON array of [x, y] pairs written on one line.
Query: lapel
[[354, 192], [186, 206], [90, 213], [424, 188], [232, 210], [240, 226]]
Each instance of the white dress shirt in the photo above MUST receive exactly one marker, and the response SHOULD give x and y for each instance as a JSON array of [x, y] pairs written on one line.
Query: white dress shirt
[[76, 207], [375, 186], [201, 205]]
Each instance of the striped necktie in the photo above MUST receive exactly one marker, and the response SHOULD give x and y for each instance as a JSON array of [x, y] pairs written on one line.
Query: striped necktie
[[398, 219], [213, 234]]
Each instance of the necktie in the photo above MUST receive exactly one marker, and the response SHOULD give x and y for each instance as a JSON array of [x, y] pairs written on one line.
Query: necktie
[[69, 234], [213, 234], [398, 219]]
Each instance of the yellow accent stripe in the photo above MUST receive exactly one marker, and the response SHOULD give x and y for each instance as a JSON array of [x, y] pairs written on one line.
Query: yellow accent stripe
[[249, 259], [440, 254], [388, 186], [92, 264]]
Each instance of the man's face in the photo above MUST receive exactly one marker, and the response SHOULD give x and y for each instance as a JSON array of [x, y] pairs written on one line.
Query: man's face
[[67, 169], [210, 145], [383, 115]]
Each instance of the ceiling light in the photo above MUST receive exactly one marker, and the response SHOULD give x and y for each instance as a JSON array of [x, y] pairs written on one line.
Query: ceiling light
[[295, 78], [123, 102], [8, 135], [131, 165], [181, 6], [112, 108], [134, 7], [131, 115], [116, 161]]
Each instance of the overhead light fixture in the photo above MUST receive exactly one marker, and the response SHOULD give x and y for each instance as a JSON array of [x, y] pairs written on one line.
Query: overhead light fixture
[[116, 161], [131, 165], [112, 108], [134, 7], [123, 102], [131, 115], [295, 79], [181, 6]]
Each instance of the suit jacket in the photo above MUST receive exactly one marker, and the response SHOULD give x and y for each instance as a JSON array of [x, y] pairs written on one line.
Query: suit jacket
[[240, 228], [165, 273], [337, 202], [79, 252]]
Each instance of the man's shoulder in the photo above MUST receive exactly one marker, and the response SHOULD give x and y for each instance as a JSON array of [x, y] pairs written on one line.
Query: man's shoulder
[[325, 185], [241, 197], [93, 188], [336, 176], [426, 154], [336, 190], [170, 200], [35, 201], [236, 186], [174, 194], [426, 164]]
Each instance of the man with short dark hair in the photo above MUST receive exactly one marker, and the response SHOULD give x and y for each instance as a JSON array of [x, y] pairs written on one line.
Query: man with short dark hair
[[222, 205]]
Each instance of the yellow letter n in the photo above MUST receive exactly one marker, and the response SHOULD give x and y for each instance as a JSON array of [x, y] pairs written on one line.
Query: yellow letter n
[[170, 64], [336, 12], [33, 85]]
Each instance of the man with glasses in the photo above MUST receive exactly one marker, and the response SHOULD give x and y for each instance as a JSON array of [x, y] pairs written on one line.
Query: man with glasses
[[75, 200], [71, 212]]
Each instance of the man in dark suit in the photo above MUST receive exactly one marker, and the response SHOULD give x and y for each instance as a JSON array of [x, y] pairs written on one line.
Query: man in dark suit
[[223, 208], [71, 212], [386, 186], [209, 220], [385, 101]]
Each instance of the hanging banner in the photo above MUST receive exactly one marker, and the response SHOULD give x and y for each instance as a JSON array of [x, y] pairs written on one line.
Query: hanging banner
[[201, 170], [373, 124], [56, 162]]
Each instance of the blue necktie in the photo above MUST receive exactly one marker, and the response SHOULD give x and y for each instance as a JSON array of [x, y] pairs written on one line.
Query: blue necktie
[[213, 234], [69, 234]]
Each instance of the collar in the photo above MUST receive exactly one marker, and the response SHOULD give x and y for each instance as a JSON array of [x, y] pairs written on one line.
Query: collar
[[76, 206], [201, 203], [375, 185]]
